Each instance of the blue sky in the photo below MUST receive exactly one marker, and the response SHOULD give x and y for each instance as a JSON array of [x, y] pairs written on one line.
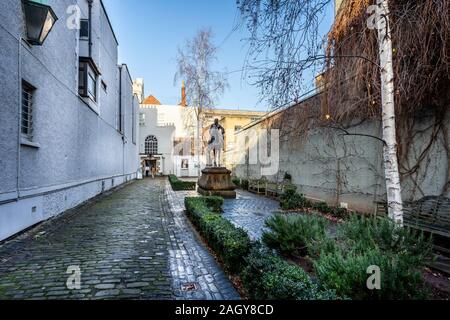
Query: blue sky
[[150, 31]]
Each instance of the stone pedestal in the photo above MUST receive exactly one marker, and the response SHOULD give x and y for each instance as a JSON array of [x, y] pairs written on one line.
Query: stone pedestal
[[216, 182]]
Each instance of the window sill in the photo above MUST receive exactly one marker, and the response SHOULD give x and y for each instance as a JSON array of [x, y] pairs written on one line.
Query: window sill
[[27, 143], [90, 103]]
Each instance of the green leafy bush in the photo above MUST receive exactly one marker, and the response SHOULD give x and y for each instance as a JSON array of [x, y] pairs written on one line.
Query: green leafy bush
[[293, 233], [231, 243], [179, 185], [290, 199], [321, 207], [361, 232], [361, 242], [244, 184], [236, 181], [287, 176], [268, 277], [347, 273], [337, 212]]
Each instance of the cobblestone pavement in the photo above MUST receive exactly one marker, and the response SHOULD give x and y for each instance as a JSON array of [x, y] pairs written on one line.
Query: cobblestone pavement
[[129, 244], [249, 211], [197, 266]]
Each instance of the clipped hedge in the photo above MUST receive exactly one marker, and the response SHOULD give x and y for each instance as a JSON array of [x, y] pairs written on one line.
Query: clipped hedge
[[232, 244], [179, 185], [268, 277]]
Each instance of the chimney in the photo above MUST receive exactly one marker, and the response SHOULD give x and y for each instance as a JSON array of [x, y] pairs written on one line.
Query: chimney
[[183, 102]]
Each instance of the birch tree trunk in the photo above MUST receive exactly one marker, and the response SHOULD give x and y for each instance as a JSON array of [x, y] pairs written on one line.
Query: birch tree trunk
[[392, 175], [199, 144]]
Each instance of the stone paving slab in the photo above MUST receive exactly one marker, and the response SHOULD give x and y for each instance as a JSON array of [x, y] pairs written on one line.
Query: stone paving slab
[[249, 211], [126, 246]]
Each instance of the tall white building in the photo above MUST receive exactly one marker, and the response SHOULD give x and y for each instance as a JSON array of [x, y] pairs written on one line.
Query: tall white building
[[166, 135], [68, 121]]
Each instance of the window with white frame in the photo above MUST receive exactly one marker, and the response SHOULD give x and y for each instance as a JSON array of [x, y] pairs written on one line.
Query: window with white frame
[[151, 145], [142, 119], [27, 110], [87, 80]]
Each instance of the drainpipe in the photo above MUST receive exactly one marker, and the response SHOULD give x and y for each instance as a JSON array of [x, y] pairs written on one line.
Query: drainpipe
[[90, 27], [120, 120], [19, 122], [120, 100]]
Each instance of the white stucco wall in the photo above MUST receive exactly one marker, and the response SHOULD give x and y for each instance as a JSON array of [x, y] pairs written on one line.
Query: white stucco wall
[[78, 147], [326, 163], [167, 123]]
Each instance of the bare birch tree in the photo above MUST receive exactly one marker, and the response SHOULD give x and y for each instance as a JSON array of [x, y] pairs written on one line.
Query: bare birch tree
[[204, 86], [286, 48], [392, 175]]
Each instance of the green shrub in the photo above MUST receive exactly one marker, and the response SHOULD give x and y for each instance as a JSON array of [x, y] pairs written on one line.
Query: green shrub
[[290, 199], [293, 233], [321, 207], [236, 181], [179, 185], [346, 272], [337, 212], [229, 242], [400, 253], [361, 232], [268, 277], [287, 176], [244, 184]]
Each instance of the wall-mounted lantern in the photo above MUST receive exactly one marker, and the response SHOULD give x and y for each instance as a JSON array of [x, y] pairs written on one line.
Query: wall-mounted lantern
[[39, 19]]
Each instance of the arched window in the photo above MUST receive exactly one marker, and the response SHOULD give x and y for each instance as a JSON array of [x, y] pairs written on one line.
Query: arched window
[[151, 145]]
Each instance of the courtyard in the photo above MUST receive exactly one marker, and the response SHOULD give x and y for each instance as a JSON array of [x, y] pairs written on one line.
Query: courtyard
[[138, 241], [133, 243], [255, 150]]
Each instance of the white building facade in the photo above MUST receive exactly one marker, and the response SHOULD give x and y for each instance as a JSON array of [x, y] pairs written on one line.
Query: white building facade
[[69, 120], [166, 135]]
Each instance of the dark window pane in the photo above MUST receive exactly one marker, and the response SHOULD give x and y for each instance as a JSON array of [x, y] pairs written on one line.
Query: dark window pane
[[84, 29], [27, 110]]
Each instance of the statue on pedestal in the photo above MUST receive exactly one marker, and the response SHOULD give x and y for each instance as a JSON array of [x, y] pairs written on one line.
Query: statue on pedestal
[[216, 179], [215, 144]]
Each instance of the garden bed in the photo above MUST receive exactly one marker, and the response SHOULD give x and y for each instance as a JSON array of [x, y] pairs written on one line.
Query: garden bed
[[340, 260], [315, 263], [257, 270]]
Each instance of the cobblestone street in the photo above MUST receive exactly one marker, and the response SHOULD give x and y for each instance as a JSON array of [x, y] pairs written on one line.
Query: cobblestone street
[[134, 243]]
